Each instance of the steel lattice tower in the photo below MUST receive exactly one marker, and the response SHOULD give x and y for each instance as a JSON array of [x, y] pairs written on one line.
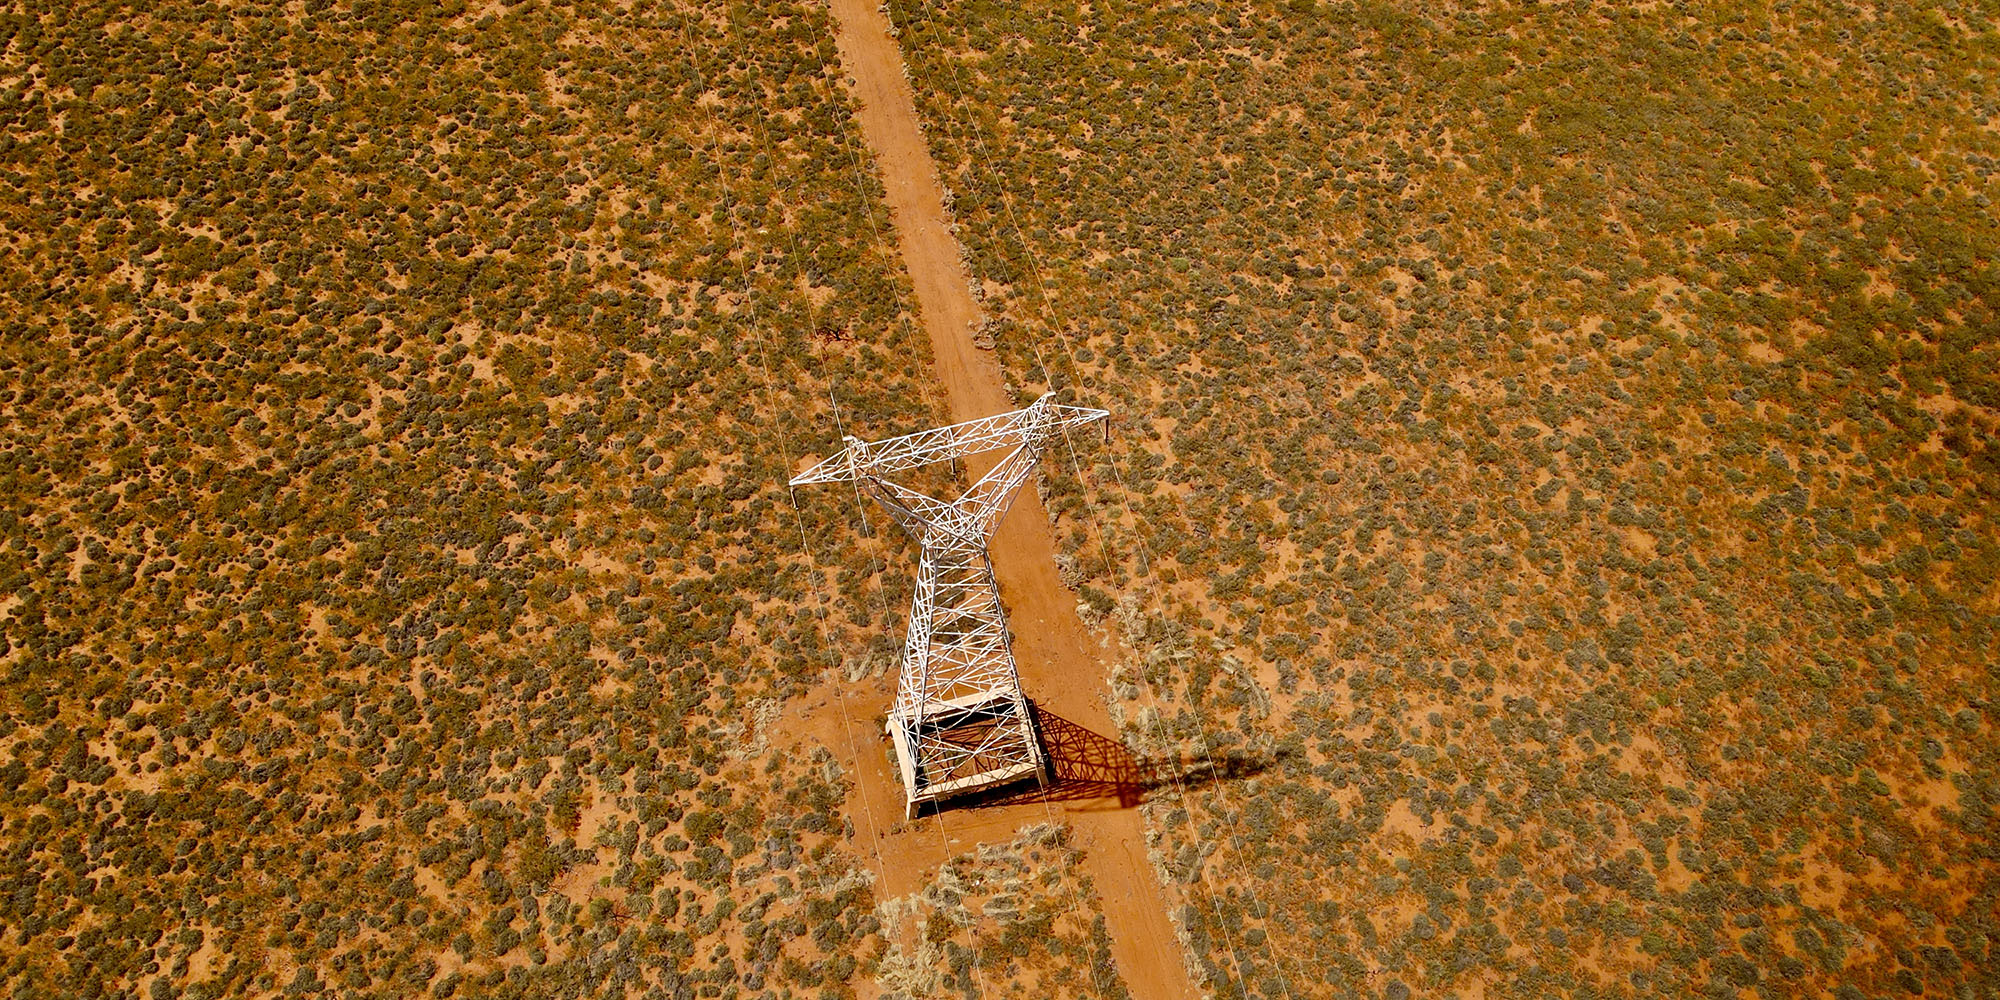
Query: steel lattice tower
[[960, 722]]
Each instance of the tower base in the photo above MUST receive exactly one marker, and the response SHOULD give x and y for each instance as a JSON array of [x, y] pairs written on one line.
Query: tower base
[[966, 745]]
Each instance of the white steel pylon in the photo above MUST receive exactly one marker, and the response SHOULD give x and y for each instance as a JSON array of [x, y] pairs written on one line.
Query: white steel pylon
[[960, 722]]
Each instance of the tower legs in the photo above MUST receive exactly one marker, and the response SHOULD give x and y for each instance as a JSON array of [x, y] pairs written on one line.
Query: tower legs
[[960, 724]]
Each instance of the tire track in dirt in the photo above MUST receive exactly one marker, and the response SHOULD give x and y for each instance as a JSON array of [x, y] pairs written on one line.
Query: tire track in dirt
[[1064, 668]]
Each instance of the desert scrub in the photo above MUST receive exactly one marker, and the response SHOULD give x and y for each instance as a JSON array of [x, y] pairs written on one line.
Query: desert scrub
[[1013, 919], [391, 407], [1583, 442]]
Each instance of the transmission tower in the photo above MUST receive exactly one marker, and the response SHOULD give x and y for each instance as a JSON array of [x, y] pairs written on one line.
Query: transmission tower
[[960, 722]]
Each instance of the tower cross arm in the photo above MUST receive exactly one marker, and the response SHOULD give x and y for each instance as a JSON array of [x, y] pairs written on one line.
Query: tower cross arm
[[961, 440], [983, 505], [917, 512]]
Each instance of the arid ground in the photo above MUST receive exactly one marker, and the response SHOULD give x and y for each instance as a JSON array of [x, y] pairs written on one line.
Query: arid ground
[[1544, 544]]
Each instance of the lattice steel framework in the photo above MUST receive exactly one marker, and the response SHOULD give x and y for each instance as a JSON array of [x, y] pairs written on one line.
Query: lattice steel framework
[[960, 722]]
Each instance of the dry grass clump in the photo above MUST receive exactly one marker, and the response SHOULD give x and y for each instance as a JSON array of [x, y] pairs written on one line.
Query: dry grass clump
[[1562, 437], [1018, 919]]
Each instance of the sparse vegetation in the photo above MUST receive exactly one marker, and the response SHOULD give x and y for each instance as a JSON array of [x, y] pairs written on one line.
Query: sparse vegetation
[[392, 396], [1017, 919], [1561, 436], [1550, 522]]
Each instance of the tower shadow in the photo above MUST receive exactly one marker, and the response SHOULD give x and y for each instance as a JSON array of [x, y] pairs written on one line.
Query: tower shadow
[[1086, 766]]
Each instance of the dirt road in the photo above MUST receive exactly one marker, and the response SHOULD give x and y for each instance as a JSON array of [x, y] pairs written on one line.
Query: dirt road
[[1063, 666]]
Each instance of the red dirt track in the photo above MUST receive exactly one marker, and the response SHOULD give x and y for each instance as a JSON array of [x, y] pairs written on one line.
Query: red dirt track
[[1063, 665]]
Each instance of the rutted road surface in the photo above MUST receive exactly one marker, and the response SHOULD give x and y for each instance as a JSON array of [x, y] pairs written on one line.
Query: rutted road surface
[[1063, 667]]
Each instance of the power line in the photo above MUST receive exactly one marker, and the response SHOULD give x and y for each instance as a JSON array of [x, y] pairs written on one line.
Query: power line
[[1048, 308]]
